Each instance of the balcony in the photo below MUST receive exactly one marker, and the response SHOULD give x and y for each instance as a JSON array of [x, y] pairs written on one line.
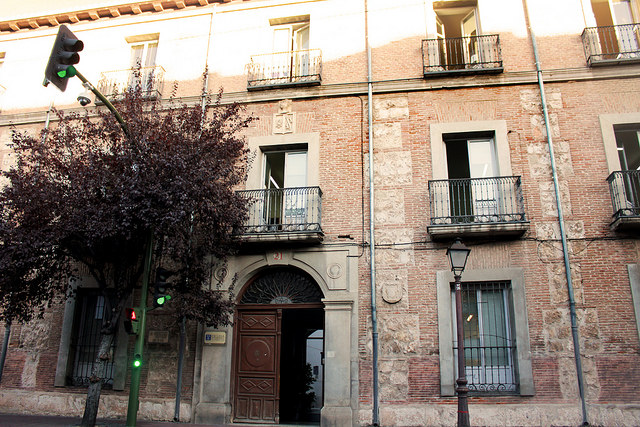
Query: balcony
[[113, 84], [477, 207], [615, 44], [624, 187], [283, 214], [285, 69], [467, 55]]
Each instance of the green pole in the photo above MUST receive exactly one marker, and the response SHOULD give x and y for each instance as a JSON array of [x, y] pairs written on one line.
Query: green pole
[[134, 389], [86, 83]]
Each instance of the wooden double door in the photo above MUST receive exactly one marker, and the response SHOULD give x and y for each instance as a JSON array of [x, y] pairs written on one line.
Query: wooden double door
[[270, 363]]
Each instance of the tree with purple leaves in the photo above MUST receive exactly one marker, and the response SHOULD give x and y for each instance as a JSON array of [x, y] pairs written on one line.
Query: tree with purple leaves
[[86, 195]]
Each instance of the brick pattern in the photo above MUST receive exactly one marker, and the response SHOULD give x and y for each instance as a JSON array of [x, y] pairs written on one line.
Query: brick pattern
[[407, 258]]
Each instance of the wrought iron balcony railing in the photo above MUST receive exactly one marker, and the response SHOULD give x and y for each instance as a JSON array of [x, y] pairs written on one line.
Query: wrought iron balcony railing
[[467, 201], [283, 210], [625, 193], [151, 80], [475, 54], [302, 67], [612, 44]]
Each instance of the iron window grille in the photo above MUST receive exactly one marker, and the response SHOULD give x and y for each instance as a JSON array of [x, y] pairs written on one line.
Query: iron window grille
[[113, 84], [300, 67], [283, 210], [89, 315], [489, 346], [471, 54], [612, 44], [624, 187], [476, 200]]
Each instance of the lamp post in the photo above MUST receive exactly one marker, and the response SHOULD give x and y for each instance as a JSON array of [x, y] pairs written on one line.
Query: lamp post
[[458, 254]]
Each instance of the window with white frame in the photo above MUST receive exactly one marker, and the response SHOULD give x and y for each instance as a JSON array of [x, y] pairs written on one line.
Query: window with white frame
[[285, 187], [285, 179], [290, 47], [496, 331], [457, 30], [144, 49], [618, 29], [484, 145], [471, 158]]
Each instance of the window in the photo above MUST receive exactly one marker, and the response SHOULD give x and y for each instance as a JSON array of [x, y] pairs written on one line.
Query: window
[[83, 315], [85, 340], [457, 44], [291, 47], [285, 198], [457, 30], [496, 331], [488, 345], [634, 281], [144, 49], [617, 34], [470, 158], [628, 145], [472, 182], [621, 137], [290, 61], [285, 178]]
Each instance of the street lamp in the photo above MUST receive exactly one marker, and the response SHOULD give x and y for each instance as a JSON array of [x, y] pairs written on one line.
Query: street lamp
[[458, 254]]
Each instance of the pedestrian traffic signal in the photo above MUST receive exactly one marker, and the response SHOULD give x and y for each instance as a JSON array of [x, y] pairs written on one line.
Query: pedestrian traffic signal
[[64, 55], [137, 361], [132, 320], [160, 295]]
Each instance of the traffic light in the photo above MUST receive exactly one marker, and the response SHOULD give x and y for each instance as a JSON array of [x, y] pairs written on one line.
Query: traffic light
[[137, 361], [132, 320], [64, 55], [160, 287]]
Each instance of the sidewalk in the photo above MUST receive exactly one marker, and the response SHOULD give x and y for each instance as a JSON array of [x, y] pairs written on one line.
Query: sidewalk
[[17, 420]]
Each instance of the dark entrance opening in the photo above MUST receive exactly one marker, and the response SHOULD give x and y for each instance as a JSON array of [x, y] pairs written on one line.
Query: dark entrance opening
[[301, 365], [279, 339]]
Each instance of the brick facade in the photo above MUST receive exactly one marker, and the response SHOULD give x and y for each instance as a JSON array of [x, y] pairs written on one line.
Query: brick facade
[[408, 107]]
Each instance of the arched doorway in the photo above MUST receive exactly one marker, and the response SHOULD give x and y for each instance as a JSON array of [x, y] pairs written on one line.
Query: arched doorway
[[278, 344]]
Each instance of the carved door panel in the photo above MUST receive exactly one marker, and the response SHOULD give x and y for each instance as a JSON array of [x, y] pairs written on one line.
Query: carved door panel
[[257, 373]]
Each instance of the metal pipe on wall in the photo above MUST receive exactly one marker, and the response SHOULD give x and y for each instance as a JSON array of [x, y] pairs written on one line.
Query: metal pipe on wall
[[563, 236], [372, 254]]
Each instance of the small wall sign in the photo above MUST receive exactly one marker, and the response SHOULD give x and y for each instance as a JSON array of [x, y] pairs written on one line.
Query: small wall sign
[[215, 337], [158, 337]]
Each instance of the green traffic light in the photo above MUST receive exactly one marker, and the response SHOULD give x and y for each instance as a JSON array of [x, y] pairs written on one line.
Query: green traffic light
[[70, 71], [137, 362], [161, 300]]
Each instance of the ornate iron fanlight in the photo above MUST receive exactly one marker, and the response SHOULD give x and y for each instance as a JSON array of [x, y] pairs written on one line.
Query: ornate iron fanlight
[[282, 286]]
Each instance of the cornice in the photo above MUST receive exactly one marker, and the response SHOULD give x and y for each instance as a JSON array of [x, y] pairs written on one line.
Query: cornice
[[100, 13], [514, 78]]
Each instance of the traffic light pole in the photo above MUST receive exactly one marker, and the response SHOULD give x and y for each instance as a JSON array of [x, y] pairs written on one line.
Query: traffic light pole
[[86, 83], [134, 389]]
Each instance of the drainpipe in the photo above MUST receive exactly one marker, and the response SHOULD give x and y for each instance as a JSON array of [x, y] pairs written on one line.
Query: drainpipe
[[181, 345], [372, 254], [46, 123], [565, 249]]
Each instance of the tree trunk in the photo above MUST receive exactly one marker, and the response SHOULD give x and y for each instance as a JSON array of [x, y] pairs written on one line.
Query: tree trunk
[[95, 382]]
